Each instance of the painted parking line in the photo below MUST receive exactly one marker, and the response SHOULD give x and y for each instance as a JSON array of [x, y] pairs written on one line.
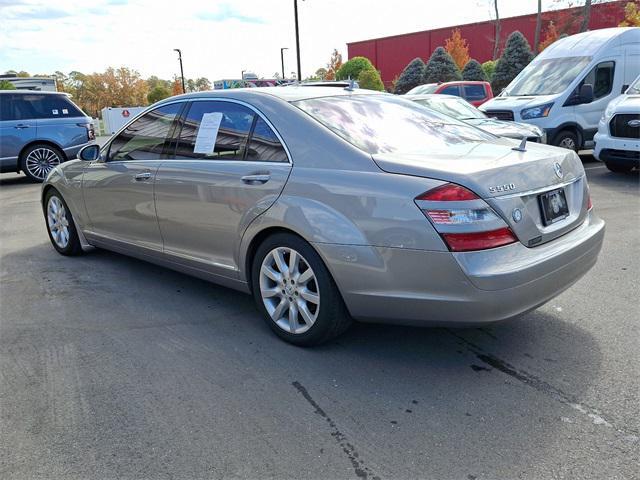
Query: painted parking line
[[594, 167]]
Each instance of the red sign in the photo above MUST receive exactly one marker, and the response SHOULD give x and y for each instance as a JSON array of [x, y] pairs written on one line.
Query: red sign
[[125, 113]]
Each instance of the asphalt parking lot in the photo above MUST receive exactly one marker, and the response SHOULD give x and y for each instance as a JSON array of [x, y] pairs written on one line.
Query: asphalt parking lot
[[114, 368]]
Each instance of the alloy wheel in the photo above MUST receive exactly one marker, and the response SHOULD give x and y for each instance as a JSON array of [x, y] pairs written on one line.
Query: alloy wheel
[[568, 143], [41, 161], [289, 290], [58, 222]]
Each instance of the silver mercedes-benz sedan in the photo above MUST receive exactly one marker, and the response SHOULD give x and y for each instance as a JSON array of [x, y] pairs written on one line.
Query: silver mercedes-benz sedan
[[330, 204]]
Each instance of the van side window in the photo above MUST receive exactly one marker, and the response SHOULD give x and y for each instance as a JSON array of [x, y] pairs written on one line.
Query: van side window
[[230, 140], [601, 77], [145, 138]]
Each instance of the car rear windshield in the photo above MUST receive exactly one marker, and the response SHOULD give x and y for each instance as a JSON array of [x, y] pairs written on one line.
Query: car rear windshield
[[455, 107], [389, 124], [423, 89]]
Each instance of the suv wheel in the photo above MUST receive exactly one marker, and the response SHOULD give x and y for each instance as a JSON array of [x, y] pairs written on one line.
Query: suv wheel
[[39, 159], [295, 292]]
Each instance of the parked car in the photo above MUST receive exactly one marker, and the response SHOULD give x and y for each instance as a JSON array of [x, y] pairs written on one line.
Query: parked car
[[618, 137], [39, 130], [330, 204], [476, 93], [458, 108], [568, 86]]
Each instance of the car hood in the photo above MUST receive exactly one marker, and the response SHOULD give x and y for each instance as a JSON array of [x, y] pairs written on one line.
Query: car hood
[[506, 129], [516, 103], [626, 104], [481, 165]]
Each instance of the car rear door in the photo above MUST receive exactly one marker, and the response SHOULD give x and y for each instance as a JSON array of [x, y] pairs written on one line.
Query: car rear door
[[118, 189], [17, 129], [228, 167]]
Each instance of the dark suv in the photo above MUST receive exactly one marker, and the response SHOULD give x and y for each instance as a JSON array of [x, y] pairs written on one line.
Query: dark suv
[[39, 130]]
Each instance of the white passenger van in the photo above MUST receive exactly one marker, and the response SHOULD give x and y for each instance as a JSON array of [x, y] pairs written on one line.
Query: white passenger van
[[566, 88]]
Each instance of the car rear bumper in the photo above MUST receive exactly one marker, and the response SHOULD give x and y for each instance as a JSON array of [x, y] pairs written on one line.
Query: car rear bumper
[[417, 287]]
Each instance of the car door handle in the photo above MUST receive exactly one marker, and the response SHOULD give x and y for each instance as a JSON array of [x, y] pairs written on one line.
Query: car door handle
[[21, 126], [259, 178], [142, 176]]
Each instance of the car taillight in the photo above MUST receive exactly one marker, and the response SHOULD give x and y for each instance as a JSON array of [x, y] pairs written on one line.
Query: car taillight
[[91, 133], [464, 221]]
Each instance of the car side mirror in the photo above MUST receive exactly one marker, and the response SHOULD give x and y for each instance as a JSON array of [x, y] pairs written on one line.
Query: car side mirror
[[586, 93], [89, 153], [624, 88]]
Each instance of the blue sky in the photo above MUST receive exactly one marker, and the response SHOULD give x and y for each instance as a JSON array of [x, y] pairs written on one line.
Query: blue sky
[[218, 39]]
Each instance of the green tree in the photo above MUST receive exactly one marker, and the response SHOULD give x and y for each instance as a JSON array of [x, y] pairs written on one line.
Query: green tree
[[473, 71], [488, 68], [517, 55], [370, 79], [353, 67], [202, 84], [159, 92], [6, 85], [410, 77], [441, 68]]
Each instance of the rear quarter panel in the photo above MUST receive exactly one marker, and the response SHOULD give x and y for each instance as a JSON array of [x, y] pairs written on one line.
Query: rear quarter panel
[[63, 132]]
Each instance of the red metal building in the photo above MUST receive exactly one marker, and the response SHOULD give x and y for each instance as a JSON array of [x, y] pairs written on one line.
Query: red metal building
[[391, 54]]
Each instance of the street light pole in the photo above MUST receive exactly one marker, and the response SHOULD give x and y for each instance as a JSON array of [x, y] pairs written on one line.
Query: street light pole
[[181, 70], [282, 59], [295, 12]]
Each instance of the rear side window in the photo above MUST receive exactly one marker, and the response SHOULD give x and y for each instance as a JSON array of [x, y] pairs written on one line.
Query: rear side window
[[474, 92], [264, 144], [35, 105], [451, 90], [215, 131], [146, 137]]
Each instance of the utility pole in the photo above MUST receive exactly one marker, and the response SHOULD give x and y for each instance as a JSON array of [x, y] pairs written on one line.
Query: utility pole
[[282, 59], [295, 12], [181, 71]]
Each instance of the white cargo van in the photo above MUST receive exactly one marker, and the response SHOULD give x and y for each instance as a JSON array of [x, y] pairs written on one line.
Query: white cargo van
[[566, 88]]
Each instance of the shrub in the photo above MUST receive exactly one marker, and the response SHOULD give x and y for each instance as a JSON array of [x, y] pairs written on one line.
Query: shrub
[[440, 68], [488, 68], [353, 67], [371, 80], [473, 71], [517, 55], [410, 77]]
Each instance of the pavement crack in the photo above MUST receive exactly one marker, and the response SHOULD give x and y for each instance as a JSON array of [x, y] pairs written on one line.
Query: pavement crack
[[544, 387], [360, 469]]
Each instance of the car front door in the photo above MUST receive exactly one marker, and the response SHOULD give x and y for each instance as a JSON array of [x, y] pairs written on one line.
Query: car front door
[[607, 84], [17, 129], [118, 188], [228, 167]]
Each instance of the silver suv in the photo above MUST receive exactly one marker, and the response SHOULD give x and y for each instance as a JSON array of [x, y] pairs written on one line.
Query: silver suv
[[39, 130]]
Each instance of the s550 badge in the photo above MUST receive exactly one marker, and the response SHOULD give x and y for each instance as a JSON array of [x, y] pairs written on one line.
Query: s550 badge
[[502, 188]]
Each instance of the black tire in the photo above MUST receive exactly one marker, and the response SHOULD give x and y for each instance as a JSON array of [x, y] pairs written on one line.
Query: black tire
[[332, 317], [73, 246], [53, 155], [618, 167], [567, 139]]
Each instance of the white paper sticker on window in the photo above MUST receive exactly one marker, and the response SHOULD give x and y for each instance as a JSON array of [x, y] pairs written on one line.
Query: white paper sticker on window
[[54, 111], [207, 133], [65, 111]]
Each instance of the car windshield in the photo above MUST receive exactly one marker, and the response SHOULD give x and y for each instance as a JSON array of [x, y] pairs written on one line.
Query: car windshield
[[452, 106], [634, 89], [546, 77], [423, 89], [389, 124]]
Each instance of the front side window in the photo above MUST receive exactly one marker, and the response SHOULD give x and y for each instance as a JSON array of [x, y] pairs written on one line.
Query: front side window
[[264, 144], [146, 137], [601, 77], [214, 130], [450, 90], [474, 92], [390, 124]]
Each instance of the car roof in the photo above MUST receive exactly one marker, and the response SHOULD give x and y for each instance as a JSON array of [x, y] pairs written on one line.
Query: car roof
[[43, 92], [289, 93]]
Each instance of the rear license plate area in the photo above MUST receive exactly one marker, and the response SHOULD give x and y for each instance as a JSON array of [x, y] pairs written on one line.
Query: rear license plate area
[[554, 206]]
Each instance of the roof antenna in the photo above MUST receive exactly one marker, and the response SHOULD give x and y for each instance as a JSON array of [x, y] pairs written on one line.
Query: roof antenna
[[351, 85], [522, 146]]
